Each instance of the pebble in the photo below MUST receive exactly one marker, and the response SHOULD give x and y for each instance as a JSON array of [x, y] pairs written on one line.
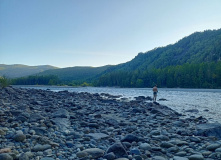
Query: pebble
[[5, 156]]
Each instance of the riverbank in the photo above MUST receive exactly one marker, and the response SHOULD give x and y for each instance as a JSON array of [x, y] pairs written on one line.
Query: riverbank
[[46, 125]]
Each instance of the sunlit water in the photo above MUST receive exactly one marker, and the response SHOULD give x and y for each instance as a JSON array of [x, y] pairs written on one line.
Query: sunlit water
[[206, 101]]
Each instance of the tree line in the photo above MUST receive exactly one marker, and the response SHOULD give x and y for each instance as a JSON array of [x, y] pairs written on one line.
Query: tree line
[[203, 75], [36, 80]]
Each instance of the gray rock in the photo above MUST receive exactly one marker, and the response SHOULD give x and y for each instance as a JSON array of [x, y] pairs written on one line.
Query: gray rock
[[97, 136], [23, 156], [166, 145], [47, 158], [137, 157], [218, 150], [118, 149], [35, 117], [195, 139], [209, 129], [61, 113], [130, 138], [47, 152], [40, 147], [2, 132], [192, 110], [145, 146], [39, 130], [181, 154], [213, 147], [19, 137], [82, 154], [158, 158], [178, 142], [5, 156], [196, 157], [62, 123], [94, 152], [110, 156], [135, 151], [179, 158]]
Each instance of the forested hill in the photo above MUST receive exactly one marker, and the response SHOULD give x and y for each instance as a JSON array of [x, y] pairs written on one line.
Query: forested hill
[[75, 73], [193, 62], [197, 48], [19, 70]]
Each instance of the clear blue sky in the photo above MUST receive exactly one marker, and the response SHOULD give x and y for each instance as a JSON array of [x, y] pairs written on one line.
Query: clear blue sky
[[66, 33]]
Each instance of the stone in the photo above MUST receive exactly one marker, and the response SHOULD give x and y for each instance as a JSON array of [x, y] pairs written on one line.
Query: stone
[[5, 156], [196, 157], [19, 137], [213, 147], [209, 129], [40, 147], [97, 136], [2, 132], [82, 154], [118, 149], [35, 117], [130, 138], [218, 150], [138, 157], [110, 156], [5, 150], [145, 146], [23, 156], [158, 158], [62, 123], [179, 158], [61, 113], [135, 151], [94, 152], [195, 139], [47, 152], [47, 158], [166, 145]]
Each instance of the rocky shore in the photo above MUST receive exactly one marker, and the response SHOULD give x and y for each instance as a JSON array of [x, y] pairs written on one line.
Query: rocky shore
[[45, 125]]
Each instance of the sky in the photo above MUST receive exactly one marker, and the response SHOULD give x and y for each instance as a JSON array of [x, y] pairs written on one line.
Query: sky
[[67, 33]]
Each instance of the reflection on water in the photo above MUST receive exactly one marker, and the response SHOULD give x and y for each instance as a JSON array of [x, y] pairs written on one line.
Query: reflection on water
[[206, 101]]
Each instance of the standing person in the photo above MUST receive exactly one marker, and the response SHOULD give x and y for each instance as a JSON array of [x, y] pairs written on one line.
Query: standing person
[[155, 90]]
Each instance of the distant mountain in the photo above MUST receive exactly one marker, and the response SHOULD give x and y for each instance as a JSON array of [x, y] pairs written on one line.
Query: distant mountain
[[75, 73], [197, 48], [19, 70]]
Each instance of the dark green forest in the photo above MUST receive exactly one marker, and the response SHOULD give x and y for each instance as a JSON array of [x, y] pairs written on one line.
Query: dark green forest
[[192, 62], [203, 75], [36, 80]]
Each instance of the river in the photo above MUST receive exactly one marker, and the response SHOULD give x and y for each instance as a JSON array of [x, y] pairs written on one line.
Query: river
[[204, 102]]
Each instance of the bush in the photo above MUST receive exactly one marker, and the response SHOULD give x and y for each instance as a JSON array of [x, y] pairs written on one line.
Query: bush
[[3, 82]]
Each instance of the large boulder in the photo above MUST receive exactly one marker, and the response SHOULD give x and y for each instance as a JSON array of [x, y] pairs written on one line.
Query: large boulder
[[209, 129], [19, 137], [118, 149]]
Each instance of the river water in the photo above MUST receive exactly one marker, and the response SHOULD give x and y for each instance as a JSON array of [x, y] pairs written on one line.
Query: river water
[[204, 102]]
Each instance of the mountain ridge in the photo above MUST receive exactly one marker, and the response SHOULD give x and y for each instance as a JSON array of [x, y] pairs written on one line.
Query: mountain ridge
[[21, 70]]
